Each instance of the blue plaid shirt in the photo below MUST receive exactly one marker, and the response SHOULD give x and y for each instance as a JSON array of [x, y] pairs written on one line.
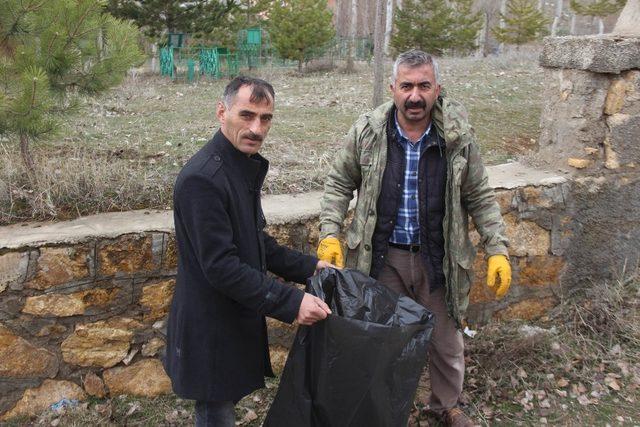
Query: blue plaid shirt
[[407, 228]]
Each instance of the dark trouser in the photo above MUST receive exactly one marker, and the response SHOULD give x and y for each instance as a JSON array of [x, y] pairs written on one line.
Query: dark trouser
[[215, 414], [404, 273]]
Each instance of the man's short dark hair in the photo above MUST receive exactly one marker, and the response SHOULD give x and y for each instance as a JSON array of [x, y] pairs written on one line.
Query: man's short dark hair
[[415, 58], [260, 90]]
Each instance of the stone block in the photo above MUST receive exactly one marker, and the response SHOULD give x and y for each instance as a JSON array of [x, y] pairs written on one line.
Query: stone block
[[280, 333], [571, 116], [526, 237], [150, 348], [59, 265], [540, 270], [127, 255], [99, 344], [34, 401], [579, 163], [144, 378], [625, 137], [84, 302], [528, 309], [600, 54], [94, 386], [21, 359], [632, 96], [616, 96], [156, 299], [505, 200], [170, 258], [13, 269]]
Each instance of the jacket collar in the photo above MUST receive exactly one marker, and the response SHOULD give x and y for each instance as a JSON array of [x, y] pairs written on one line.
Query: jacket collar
[[250, 169], [449, 118]]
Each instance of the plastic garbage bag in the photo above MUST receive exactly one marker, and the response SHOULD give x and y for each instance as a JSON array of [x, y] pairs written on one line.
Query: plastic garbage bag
[[360, 366]]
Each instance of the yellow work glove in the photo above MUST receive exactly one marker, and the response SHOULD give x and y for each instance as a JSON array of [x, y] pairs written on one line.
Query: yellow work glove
[[498, 266], [330, 250]]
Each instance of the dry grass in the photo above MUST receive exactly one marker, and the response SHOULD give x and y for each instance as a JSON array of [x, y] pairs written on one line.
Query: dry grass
[[123, 149]]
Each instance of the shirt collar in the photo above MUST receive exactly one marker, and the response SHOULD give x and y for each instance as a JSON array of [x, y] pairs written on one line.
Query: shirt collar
[[403, 136]]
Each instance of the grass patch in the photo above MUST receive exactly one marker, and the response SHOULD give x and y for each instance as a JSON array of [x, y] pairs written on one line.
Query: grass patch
[[122, 150]]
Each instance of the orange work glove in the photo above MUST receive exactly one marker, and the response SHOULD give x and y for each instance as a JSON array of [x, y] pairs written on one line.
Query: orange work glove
[[330, 250], [498, 267]]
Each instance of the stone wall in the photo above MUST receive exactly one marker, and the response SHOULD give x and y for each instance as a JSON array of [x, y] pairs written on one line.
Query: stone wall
[[590, 128], [83, 304]]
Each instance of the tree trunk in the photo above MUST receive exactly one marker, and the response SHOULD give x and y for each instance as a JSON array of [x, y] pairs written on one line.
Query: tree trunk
[[300, 66], [540, 5], [483, 36], [556, 18], [572, 27], [353, 21], [503, 12], [600, 25], [388, 26], [28, 160], [378, 52]]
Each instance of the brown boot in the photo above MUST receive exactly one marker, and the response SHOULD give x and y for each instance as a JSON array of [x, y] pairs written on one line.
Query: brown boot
[[455, 417]]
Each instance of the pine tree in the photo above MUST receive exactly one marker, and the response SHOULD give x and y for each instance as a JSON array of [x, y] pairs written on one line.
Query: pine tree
[[436, 26], [523, 23], [597, 8], [50, 51], [298, 27], [247, 14], [158, 17]]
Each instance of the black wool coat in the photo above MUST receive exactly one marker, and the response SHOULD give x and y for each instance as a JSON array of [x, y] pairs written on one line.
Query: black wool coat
[[217, 347]]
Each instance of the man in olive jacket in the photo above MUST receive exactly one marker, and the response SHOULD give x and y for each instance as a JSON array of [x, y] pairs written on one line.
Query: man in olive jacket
[[417, 170], [217, 350]]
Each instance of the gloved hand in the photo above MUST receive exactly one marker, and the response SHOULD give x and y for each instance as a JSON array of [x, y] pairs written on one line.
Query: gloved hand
[[330, 250], [498, 266]]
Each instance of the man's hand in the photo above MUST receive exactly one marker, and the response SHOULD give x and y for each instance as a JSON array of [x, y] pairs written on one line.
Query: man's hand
[[311, 310], [499, 267], [330, 250], [324, 264]]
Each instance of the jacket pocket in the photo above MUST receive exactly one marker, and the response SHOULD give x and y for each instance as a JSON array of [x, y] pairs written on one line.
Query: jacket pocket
[[353, 240]]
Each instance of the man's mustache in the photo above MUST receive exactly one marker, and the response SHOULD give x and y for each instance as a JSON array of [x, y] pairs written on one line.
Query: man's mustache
[[415, 104], [254, 137]]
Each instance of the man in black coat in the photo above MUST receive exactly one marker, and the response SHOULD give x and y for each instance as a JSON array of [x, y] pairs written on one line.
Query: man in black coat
[[217, 349]]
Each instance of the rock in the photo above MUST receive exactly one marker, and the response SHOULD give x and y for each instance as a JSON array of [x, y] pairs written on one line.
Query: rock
[[528, 309], [615, 96], [624, 140], [143, 378], [36, 400], [128, 254], [13, 269], [64, 305], [21, 359], [100, 344], [151, 348], [59, 265], [601, 54], [578, 163], [156, 299], [526, 237], [170, 258], [540, 270], [94, 386]]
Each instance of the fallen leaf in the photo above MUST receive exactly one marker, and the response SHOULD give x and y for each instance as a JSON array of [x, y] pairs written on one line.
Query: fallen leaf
[[583, 400]]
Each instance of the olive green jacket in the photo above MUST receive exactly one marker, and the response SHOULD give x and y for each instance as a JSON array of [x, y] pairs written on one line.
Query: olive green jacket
[[360, 164]]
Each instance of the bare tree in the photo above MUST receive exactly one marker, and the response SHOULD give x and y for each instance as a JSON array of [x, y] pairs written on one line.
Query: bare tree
[[388, 26], [503, 12], [378, 52], [556, 18], [353, 25]]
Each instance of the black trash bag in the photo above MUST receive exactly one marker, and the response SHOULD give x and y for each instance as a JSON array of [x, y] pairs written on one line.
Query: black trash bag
[[360, 366]]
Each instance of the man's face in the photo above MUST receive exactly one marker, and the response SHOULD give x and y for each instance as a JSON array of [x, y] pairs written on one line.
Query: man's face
[[244, 123], [414, 92]]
